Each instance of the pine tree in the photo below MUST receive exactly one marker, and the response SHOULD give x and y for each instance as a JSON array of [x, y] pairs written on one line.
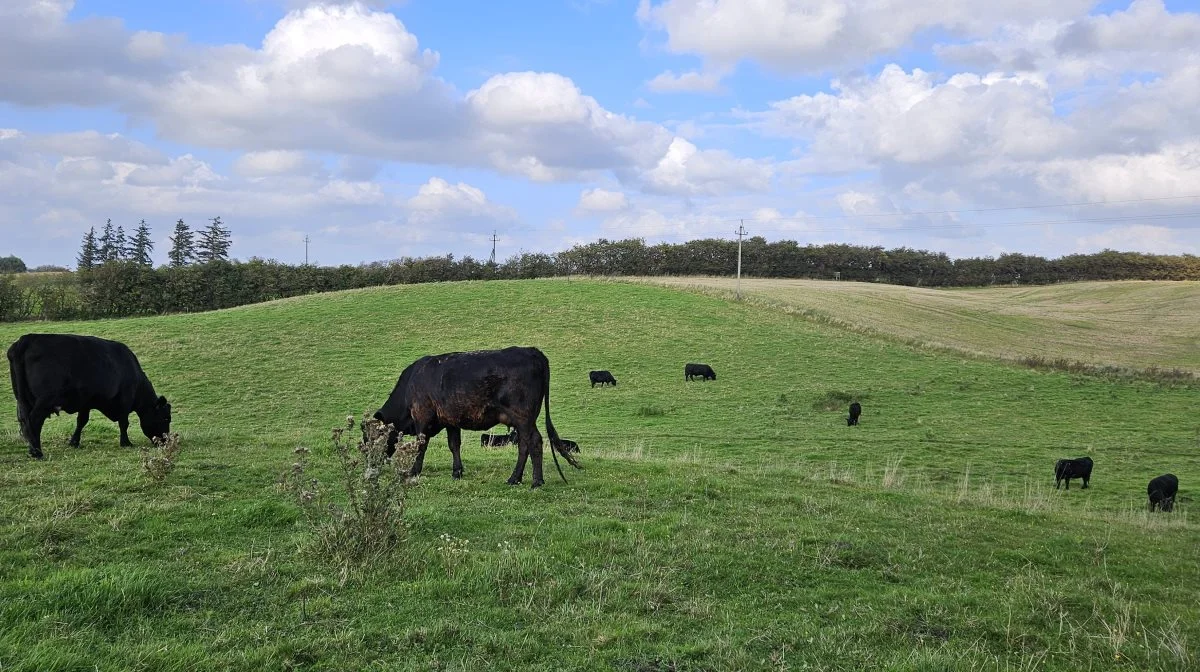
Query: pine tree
[[89, 253], [214, 243], [183, 251], [120, 245], [106, 251], [142, 246]]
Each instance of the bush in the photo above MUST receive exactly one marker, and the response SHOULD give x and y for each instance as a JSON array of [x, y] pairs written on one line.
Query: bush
[[369, 525], [159, 462]]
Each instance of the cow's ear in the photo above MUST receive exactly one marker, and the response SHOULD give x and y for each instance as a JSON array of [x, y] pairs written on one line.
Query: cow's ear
[[162, 401]]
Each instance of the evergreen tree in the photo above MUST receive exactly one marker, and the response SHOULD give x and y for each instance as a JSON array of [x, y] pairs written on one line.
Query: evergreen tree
[[183, 250], [106, 251], [142, 246], [120, 245], [89, 253], [214, 243]]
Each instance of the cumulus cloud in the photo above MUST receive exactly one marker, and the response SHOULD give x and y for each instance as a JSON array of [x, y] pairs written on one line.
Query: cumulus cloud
[[689, 171], [688, 82], [438, 201], [278, 162], [815, 35], [342, 78], [601, 200]]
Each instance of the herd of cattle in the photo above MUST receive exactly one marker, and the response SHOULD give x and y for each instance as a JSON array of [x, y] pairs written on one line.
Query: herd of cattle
[[53, 373]]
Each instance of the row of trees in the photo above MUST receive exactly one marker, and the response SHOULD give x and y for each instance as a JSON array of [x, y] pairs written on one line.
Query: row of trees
[[206, 280], [187, 247]]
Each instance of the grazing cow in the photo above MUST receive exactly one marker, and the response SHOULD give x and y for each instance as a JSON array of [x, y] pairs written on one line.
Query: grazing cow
[[476, 391], [1161, 491], [1065, 470], [704, 371], [601, 377], [855, 411], [497, 440], [78, 374]]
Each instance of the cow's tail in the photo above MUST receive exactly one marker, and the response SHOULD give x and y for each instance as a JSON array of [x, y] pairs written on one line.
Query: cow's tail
[[20, 385], [557, 446]]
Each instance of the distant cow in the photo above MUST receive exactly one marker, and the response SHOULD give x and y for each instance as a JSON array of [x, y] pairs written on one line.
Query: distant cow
[[476, 391], [497, 440], [601, 377], [704, 371], [1161, 491], [1065, 470], [78, 374], [855, 411]]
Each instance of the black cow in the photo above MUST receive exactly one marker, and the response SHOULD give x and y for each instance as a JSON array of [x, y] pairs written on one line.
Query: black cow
[[855, 411], [497, 440], [1161, 491], [1065, 470], [78, 374], [601, 377], [690, 371], [476, 391]]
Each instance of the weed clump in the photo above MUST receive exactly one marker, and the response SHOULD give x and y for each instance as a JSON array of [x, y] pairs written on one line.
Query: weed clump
[[650, 412], [836, 400], [368, 525], [159, 462]]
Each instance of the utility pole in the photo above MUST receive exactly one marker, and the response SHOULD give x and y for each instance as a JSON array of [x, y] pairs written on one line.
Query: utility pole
[[494, 239], [740, 232], [306, 249]]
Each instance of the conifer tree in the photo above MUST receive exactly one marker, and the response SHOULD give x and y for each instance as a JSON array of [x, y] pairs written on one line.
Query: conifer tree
[[183, 250], [142, 246], [88, 253], [214, 243]]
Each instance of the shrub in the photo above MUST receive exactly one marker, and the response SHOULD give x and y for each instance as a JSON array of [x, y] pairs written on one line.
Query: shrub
[[160, 461], [369, 524]]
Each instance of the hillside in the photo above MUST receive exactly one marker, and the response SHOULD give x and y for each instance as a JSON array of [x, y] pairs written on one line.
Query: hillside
[[736, 524], [1139, 324]]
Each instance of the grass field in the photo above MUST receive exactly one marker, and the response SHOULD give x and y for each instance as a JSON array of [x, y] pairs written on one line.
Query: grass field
[[1138, 324], [728, 525]]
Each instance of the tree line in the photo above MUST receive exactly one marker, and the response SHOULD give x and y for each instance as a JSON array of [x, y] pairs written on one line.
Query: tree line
[[114, 277]]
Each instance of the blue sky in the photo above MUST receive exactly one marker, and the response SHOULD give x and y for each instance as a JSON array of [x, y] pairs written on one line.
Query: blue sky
[[383, 130]]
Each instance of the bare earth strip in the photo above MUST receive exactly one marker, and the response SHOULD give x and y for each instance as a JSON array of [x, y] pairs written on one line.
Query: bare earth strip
[[1135, 324]]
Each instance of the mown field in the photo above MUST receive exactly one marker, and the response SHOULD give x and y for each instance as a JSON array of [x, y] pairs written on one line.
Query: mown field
[[1134, 324], [728, 525]]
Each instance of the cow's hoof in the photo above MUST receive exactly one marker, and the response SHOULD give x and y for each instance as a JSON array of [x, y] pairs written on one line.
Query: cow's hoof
[[536, 484], [514, 481], [457, 475], [36, 454]]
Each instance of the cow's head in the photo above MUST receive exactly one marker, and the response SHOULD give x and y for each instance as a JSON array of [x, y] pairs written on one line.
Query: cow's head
[[1167, 504], [156, 422]]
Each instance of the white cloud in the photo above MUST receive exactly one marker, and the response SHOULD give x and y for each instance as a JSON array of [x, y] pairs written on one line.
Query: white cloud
[[685, 170], [688, 82], [340, 78], [601, 200], [438, 201], [1140, 237], [815, 35], [278, 162]]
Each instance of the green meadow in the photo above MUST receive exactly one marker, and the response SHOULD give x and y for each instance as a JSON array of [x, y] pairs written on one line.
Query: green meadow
[[735, 524]]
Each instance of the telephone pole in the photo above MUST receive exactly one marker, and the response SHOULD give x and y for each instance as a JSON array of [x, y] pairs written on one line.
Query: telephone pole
[[306, 249], [492, 260], [740, 232]]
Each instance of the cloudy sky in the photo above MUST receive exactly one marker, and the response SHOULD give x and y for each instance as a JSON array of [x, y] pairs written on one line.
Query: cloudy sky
[[385, 129]]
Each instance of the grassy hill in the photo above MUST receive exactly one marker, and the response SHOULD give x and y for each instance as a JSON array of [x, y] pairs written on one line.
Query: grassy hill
[[736, 524], [1138, 324]]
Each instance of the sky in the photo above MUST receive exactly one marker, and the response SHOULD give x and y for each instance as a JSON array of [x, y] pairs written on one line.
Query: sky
[[380, 130]]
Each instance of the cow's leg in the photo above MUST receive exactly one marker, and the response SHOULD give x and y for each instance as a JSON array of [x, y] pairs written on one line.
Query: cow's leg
[[36, 418], [79, 423], [1068, 482], [522, 454], [535, 455], [123, 425], [1085, 481], [454, 438], [419, 461]]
